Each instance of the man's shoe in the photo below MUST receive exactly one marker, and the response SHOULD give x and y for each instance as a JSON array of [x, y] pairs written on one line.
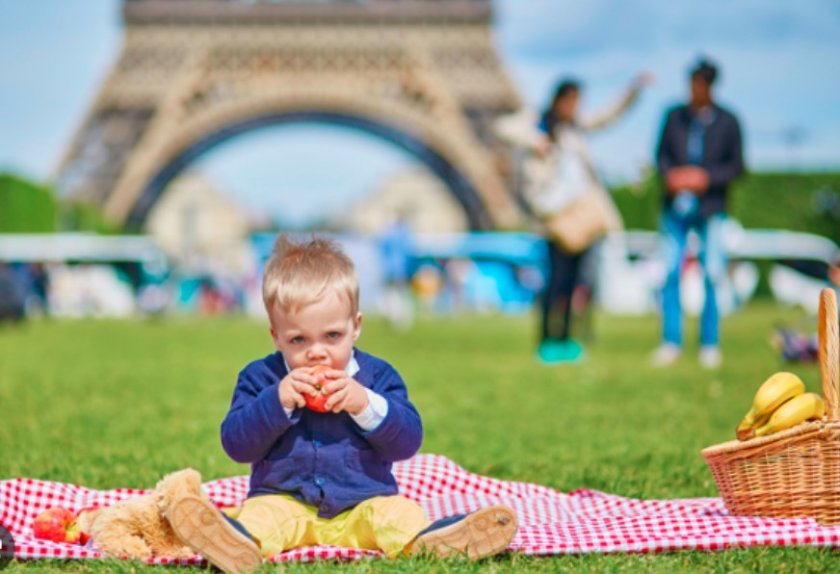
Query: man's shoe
[[665, 355], [201, 526], [480, 534], [710, 357]]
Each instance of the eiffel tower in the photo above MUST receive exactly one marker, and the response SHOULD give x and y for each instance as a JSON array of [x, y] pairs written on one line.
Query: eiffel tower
[[422, 74]]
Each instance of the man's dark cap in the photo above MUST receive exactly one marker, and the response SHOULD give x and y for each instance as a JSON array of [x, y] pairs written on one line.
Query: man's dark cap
[[706, 70]]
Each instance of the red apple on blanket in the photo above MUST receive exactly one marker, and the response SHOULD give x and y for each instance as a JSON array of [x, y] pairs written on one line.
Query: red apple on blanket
[[57, 524], [317, 402]]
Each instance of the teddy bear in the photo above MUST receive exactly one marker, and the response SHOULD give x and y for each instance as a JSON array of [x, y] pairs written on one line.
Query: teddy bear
[[136, 527]]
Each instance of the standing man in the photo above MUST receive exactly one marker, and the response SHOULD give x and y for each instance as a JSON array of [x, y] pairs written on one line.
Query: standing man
[[698, 154]]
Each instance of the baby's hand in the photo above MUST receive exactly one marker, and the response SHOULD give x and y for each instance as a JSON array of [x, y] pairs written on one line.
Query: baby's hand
[[294, 385], [345, 392]]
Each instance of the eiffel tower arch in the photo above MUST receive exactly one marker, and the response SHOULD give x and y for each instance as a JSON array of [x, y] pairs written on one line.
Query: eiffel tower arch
[[422, 74]]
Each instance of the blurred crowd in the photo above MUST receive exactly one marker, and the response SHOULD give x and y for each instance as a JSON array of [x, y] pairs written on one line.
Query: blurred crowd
[[400, 279], [403, 275]]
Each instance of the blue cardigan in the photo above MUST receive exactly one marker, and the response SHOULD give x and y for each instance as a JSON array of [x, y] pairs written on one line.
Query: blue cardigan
[[323, 459]]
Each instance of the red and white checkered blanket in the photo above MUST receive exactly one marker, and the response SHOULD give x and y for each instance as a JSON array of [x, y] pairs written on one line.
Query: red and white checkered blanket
[[551, 522]]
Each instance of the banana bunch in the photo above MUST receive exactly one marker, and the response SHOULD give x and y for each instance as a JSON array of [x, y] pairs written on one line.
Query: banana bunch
[[780, 403]]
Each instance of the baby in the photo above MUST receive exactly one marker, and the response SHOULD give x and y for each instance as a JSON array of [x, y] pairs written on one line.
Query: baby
[[323, 477]]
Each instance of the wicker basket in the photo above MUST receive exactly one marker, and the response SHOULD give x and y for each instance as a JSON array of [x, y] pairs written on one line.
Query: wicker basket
[[794, 472]]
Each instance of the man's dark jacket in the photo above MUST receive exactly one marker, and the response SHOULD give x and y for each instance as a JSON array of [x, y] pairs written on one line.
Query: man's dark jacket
[[722, 153]]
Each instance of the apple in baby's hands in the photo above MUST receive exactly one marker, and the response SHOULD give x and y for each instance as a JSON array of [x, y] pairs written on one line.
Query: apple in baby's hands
[[57, 524], [317, 402]]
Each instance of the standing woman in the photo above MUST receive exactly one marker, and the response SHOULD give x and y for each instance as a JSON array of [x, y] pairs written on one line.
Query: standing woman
[[558, 176]]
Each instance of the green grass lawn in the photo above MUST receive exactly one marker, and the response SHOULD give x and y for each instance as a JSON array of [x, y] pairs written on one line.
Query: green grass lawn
[[108, 404]]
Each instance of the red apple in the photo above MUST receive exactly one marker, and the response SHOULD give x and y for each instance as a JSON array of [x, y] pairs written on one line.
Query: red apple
[[57, 524], [317, 402]]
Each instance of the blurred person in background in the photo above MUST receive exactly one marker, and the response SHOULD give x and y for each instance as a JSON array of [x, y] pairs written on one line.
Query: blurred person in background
[[40, 288], [797, 346], [395, 246], [12, 296], [558, 175], [699, 153]]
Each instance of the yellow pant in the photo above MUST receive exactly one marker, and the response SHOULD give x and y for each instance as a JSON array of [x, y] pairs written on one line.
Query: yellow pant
[[279, 522]]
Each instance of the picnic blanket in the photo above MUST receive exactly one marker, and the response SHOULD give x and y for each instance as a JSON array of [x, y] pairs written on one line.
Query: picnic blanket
[[551, 522]]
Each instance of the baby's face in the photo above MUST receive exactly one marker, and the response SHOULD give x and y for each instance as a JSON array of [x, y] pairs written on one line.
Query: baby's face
[[322, 333]]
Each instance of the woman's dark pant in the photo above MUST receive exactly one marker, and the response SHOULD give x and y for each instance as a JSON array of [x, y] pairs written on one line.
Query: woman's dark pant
[[563, 277]]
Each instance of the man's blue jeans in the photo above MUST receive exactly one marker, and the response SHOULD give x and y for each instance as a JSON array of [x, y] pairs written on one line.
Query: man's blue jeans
[[674, 231]]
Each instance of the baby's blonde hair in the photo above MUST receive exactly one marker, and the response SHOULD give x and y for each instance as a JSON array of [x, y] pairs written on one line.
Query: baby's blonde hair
[[297, 274]]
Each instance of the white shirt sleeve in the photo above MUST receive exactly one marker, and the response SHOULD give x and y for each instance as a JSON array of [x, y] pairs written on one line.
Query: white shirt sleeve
[[374, 413], [520, 129]]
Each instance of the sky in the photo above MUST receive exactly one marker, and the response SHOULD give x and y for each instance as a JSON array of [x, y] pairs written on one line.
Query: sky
[[780, 63]]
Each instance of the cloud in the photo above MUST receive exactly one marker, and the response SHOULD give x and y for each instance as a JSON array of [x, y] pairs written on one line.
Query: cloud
[[777, 62], [557, 30], [53, 54], [778, 59], [544, 29]]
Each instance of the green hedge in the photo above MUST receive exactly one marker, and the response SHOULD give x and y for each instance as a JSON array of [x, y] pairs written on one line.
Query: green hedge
[[76, 216], [25, 206], [797, 201], [807, 202], [639, 203]]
